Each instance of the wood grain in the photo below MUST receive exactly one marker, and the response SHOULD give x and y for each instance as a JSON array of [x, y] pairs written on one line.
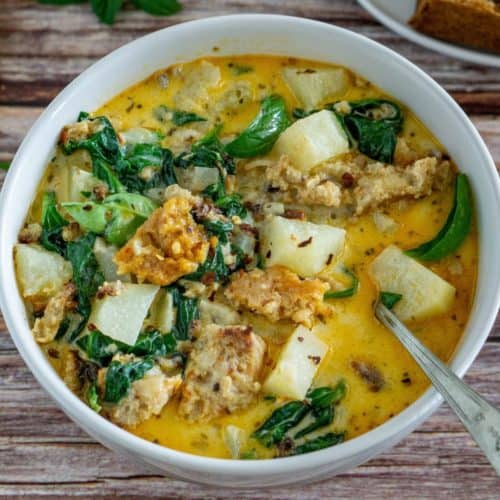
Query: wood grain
[[42, 48]]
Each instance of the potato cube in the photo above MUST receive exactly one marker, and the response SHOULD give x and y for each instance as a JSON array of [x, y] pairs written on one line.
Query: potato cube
[[104, 254], [41, 274], [121, 316], [302, 247], [297, 364], [72, 182], [314, 86], [312, 140], [163, 312], [424, 293]]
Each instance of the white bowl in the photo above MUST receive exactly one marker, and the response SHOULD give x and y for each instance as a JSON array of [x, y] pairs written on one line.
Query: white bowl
[[242, 34]]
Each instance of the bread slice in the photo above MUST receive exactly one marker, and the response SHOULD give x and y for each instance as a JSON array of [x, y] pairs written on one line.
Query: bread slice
[[465, 22]]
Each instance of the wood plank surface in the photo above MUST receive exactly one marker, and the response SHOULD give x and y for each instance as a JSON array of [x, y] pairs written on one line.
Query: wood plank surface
[[42, 48]]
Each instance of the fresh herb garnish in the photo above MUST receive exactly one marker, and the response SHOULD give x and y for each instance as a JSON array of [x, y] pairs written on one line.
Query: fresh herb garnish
[[259, 137], [119, 378], [390, 299], [106, 10], [455, 229]]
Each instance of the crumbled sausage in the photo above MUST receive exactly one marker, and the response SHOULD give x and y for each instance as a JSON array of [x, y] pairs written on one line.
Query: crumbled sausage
[[278, 293], [228, 358], [167, 246]]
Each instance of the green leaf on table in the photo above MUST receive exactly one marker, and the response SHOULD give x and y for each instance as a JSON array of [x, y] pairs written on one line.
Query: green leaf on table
[[158, 7], [106, 10]]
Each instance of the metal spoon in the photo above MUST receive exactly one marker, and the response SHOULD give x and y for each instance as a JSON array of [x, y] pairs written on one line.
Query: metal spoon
[[481, 419]]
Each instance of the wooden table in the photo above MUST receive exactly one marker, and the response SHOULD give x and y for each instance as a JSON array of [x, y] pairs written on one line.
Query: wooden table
[[42, 48]]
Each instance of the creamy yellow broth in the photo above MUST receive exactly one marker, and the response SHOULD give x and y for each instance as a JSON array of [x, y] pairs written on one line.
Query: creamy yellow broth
[[352, 332]]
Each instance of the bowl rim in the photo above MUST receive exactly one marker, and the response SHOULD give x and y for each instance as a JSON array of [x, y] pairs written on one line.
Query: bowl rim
[[382, 436]]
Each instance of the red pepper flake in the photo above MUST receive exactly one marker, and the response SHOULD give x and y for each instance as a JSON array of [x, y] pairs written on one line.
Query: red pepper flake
[[347, 180], [315, 359], [303, 244], [291, 213], [91, 327]]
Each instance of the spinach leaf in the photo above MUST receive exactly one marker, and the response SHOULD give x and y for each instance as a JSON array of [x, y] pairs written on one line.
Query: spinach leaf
[[213, 265], [208, 152], [100, 348], [86, 274], [93, 398], [218, 228], [102, 171], [180, 118], [374, 124], [230, 204], [259, 137], [347, 292], [390, 299], [154, 343], [89, 215], [52, 225], [103, 144], [325, 441], [122, 226], [119, 378], [4, 165], [322, 397], [273, 430], [455, 229], [187, 312], [139, 205], [322, 416], [158, 7]]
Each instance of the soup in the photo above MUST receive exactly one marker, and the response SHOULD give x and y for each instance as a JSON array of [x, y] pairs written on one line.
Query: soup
[[203, 256]]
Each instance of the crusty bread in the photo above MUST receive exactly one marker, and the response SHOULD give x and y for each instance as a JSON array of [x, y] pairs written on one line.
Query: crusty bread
[[466, 22]]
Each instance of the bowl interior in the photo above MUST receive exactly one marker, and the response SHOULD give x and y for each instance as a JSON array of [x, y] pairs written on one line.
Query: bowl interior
[[242, 35]]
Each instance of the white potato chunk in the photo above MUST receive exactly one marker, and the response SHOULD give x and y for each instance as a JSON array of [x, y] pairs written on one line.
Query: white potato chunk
[[163, 312], [72, 182], [424, 293], [312, 140], [104, 254], [196, 179], [302, 247], [314, 86], [41, 274], [297, 364], [233, 438], [121, 316], [140, 135]]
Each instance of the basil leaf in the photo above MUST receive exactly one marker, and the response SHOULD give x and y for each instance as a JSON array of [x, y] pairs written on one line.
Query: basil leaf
[[325, 441], [273, 430], [259, 137], [390, 299], [52, 225], [106, 10], [455, 229], [158, 7], [120, 376]]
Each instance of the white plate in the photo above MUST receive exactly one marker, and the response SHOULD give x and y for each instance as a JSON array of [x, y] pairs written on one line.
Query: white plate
[[395, 15]]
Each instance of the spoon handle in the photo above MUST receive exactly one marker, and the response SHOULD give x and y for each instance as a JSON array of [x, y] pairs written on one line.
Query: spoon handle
[[481, 419]]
